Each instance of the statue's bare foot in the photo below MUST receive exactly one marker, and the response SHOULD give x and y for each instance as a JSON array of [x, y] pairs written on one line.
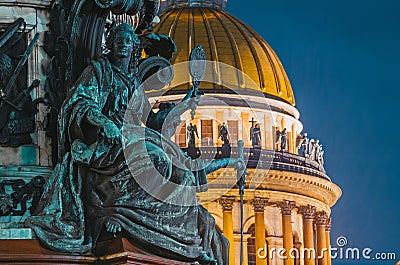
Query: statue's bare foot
[[113, 226]]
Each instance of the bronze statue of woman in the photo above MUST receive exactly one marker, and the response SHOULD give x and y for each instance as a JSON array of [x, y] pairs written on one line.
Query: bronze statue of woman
[[119, 176]]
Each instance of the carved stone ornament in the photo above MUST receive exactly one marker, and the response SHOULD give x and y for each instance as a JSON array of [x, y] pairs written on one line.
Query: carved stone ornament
[[321, 218], [227, 203], [308, 211], [259, 204], [328, 224], [287, 207]]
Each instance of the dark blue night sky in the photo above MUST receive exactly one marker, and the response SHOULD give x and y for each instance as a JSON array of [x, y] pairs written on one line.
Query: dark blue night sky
[[342, 58]]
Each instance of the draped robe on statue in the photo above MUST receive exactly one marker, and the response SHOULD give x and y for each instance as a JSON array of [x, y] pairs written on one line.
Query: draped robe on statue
[[98, 181]]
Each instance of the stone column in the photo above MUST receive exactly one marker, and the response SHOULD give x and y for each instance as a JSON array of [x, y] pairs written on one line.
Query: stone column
[[259, 205], [245, 128], [322, 252], [227, 205], [328, 239], [308, 213], [287, 231], [268, 137]]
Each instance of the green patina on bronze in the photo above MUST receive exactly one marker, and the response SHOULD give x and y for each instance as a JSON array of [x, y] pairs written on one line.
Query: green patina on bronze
[[29, 155], [117, 177], [17, 120]]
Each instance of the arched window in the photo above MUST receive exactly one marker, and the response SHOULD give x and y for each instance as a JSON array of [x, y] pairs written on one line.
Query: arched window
[[251, 246]]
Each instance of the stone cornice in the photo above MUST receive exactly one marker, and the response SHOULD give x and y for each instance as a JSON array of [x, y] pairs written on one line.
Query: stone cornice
[[273, 180], [231, 98], [274, 197], [314, 187]]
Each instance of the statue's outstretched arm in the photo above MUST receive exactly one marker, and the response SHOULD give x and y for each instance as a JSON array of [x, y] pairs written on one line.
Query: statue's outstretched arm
[[171, 114], [238, 163]]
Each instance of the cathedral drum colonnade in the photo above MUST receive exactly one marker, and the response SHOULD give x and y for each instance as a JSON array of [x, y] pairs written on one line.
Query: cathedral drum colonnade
[[288, 209], [288, 195]]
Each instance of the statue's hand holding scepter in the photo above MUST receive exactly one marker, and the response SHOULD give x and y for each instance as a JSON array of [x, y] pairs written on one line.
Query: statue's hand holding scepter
[[197, 69]]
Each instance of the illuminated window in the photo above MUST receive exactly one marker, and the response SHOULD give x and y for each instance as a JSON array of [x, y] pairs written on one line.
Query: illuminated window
[[251, 250], [289, 142], [206, 132], [251, 246], [233, 131], [276, 139], [181, 139]]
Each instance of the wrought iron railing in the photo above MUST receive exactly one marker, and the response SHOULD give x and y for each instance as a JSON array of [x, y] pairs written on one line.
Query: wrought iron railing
[[269, 159]]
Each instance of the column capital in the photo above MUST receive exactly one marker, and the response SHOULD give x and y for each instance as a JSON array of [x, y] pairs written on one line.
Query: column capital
[[227, 203], [287, 207], [259, 204], [307, 212], [320, 218], [328, 224]]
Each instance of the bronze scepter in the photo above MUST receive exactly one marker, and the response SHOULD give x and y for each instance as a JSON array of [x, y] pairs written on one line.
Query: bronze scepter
[[197, 69], [241, 182]]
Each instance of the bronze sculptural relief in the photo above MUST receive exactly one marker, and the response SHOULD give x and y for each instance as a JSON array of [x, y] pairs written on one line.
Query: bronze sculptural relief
[[114, 175], [18, 109]]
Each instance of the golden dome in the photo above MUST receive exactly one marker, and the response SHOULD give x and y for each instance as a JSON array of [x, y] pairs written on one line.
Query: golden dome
[[228, 40]]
